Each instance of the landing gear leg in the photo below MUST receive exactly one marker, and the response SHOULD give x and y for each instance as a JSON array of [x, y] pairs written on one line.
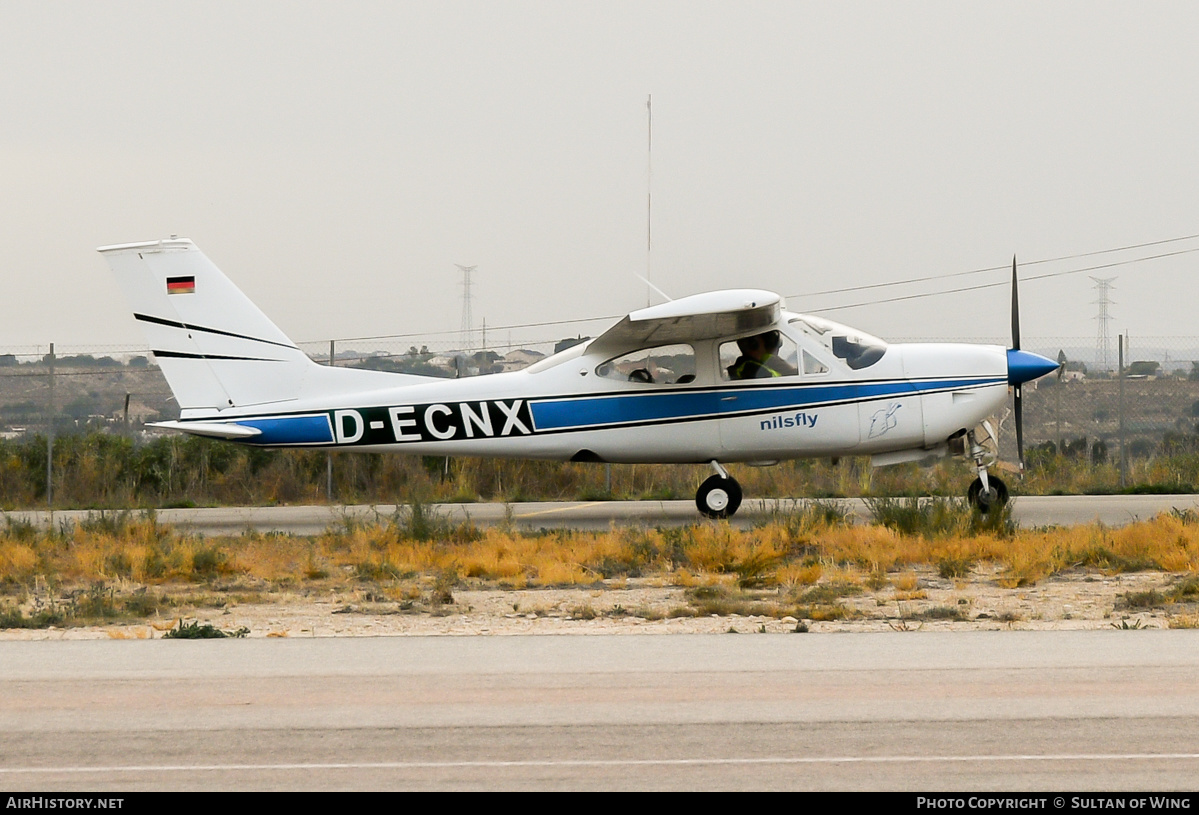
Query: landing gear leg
[[986, 491], [720, 495]]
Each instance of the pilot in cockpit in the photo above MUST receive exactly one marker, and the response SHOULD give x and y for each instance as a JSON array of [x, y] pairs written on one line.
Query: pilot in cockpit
[[759, 358]]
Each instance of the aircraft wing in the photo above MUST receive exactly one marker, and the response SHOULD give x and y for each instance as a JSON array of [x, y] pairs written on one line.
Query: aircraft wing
[[698, 317]]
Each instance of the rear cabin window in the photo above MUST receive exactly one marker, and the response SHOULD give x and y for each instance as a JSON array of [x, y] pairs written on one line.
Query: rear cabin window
[[662, 365]]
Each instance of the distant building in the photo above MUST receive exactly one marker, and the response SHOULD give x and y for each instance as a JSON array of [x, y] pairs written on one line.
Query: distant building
[[1143, 369], [520, 358], [1075, 370], [139, 413], [569, 342]]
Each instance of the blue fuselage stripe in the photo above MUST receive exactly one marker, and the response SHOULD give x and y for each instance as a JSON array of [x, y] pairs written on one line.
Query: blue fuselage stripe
[[615, 410], [582, 412], [291, 430]]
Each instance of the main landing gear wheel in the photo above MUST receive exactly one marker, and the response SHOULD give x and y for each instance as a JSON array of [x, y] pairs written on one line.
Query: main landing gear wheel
[[718, 497], [985, 500]]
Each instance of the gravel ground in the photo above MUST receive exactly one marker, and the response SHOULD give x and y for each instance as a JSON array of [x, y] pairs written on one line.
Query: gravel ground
[[1073, 600]]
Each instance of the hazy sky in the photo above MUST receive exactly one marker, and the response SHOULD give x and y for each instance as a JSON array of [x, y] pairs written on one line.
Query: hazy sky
[[337, 159]]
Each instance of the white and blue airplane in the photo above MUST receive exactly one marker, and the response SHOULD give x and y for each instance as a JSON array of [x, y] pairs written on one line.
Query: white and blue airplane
[[725, 376]]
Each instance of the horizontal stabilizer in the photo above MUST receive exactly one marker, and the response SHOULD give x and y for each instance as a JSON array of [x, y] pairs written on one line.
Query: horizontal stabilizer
[[214, 430]]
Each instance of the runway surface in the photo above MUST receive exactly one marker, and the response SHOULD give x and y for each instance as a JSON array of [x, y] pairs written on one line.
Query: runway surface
[[1099, 710], [1030, 511], [1020, 710]]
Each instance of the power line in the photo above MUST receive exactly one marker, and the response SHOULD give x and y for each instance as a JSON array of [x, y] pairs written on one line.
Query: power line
[[1002, 268], [426, 334], [897, 299], [1002, 282], [98, 372]]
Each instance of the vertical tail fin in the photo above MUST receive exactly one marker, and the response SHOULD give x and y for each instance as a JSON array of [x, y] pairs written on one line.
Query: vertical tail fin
[[215, 347]]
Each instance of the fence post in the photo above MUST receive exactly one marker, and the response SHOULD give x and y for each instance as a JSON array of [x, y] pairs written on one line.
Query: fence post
[[329, 455], [1123, 340], [50, 438], [1057, 395]]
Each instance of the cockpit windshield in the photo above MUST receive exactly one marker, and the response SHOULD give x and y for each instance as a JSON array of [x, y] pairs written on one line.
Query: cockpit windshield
[[857, 348]]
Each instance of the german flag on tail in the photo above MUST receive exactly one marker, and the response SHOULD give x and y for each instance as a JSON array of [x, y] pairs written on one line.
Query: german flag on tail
[[181, 285]]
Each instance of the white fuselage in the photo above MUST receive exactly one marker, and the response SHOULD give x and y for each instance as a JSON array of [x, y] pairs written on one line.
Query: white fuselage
[[911, 397]]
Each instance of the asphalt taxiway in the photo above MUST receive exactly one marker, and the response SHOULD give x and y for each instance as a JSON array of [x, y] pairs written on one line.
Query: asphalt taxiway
[[1030, 511], [1018, 710]]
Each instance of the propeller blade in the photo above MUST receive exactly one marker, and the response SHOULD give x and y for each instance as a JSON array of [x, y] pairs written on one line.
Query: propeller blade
[[1026, 366], [1015, 307], [1019, 406]]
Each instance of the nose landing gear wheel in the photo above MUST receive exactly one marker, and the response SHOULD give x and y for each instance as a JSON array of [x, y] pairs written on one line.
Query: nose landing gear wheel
[[718, 497], [985, 501]]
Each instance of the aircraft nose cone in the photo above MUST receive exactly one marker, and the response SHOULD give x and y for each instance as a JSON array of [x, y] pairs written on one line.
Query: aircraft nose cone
[[1025, 366]]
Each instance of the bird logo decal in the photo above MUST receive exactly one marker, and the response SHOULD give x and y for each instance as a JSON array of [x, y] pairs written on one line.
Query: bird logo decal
[[883, 420]]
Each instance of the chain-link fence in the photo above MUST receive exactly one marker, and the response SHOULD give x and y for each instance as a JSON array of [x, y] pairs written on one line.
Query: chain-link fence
[[1088, 410], [1135, 402], [120, 388]]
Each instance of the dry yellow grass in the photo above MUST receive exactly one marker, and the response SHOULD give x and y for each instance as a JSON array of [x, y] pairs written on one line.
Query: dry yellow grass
[[800, 574], [18, 561], [787, 555]]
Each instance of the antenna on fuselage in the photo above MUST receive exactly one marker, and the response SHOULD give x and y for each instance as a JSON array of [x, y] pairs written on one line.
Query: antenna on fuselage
[[649, 195], [661, 293]]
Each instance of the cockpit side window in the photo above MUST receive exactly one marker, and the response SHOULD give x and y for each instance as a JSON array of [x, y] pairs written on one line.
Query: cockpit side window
[[662, 365], [812, 365], [769, 355]]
